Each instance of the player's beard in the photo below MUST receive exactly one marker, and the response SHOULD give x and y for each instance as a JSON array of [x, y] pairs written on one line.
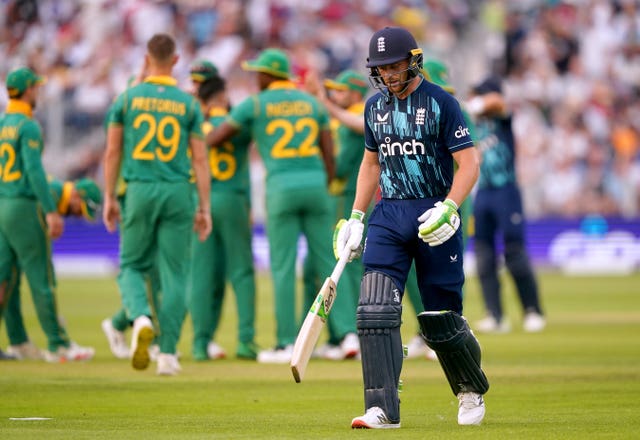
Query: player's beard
[[397, 83]]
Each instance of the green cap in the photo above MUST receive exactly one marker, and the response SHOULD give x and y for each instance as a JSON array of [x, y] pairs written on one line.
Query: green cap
[[349, 80], [203, 70], [91, 197], [270, 61], [21, 79], [437, 73]]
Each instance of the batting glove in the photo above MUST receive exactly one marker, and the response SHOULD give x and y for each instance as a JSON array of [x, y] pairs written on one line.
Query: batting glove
[[439, 223], [348, 234]]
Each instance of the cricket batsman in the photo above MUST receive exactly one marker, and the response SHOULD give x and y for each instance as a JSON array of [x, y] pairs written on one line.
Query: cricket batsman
[[414, 133]]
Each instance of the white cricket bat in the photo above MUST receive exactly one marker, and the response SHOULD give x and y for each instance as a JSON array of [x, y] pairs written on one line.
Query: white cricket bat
[[315, 319]]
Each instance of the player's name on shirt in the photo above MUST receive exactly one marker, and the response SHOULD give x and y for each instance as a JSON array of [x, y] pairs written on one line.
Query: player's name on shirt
[[158, 105], [9, 132], [288, 108]]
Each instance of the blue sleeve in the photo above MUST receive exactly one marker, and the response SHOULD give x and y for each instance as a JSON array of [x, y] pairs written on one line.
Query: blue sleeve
[[456, 132]]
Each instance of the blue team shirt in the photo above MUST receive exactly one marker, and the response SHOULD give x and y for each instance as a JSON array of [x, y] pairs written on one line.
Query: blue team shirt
[[495, 141], [415, 138]]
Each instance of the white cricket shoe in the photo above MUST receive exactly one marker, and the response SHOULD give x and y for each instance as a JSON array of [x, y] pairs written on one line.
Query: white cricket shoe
[[214, 351], [141, 339], [328, 351], [418, 348], [117, 341], [154, 351], [491, 325], [168, 365], [73, 352], [534, 322], [350, 346], [374, 418], [26, 350], [470, 408], [279, 355]]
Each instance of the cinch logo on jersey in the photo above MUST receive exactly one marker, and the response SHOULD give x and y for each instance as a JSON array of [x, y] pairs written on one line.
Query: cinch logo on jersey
[[389, 148], [461, 132]]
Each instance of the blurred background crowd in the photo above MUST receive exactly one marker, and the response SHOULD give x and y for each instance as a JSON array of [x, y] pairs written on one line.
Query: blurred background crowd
[[571, 72]]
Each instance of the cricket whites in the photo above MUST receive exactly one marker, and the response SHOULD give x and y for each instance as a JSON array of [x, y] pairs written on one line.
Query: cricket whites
[[316, 318]]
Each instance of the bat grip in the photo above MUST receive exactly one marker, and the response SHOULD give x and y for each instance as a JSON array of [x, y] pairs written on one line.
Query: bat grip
[[340, 265]]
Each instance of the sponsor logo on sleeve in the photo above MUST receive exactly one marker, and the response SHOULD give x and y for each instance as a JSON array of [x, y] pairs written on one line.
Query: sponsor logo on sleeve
[[461, 132]]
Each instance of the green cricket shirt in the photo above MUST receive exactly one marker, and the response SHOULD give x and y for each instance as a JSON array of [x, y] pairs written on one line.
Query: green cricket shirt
[[159, 119], [21, 146], [285, 125], [228, 162]]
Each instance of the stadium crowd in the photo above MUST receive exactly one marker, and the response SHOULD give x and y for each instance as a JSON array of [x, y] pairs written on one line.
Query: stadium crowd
[[571, 70]]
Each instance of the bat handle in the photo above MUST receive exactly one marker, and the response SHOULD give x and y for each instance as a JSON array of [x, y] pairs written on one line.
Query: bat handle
[[340, 265]]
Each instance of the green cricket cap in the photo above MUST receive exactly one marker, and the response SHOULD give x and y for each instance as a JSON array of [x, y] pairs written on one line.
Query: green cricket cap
[[91, 197], [349, 80], [436, 72], [273, 62], [202, 70], [21, 79]]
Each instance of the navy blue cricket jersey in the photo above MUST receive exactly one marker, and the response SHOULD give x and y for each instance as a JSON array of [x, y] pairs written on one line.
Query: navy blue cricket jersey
[[414, 139], [495, 141]]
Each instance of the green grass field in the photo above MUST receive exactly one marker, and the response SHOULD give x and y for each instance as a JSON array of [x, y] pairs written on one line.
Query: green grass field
[[579, 379]]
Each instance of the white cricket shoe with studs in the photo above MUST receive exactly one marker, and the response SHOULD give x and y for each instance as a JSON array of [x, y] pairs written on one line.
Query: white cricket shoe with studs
[[350, 346], [374, 418], [279, 355], [141, 339], [168, 365], [26, 350], [534, 322], [491, 325], [470, 408], [116, 338], [417, 348]]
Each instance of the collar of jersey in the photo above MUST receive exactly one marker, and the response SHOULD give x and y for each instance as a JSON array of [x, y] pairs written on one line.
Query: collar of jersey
[[285, 84], [65, 198], [218, 111], [16, 106], [161, 79], [356, 108]]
